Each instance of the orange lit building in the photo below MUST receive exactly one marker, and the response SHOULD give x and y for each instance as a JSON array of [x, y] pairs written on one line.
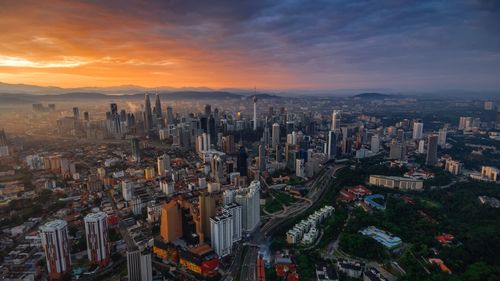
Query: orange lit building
[[171, 221]]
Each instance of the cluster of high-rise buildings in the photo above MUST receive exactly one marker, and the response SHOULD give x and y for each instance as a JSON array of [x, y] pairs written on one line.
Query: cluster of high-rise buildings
[[57, 245]]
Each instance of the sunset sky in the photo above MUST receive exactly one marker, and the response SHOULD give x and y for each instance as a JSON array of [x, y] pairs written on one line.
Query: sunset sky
[[289, 44]]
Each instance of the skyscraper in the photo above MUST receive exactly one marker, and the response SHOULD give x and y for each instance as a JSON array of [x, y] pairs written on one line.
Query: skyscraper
[[221, 227], [170, 115], [217, 168], [254, 98], [235, 211], [242, 162], [375, 143], [148, 115], [207, 210], [139, 266], [331, 145], [76, 113], [335, 120], [158, 113], [418, 129], [208, 110], [442, 137], [96, 231], [171, 221], [432, 144], [163, 163], [262, 158], [55, 242], [249, 200], [136, 152], [275, 134]]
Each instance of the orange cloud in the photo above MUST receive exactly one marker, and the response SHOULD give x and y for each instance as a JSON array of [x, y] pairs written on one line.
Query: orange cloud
[[72, 44]]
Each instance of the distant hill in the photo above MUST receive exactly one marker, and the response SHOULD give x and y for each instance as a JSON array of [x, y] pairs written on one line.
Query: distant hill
[[264, 96], [372, 96]]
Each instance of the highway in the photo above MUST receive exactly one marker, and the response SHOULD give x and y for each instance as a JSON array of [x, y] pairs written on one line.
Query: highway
[[317, 189]]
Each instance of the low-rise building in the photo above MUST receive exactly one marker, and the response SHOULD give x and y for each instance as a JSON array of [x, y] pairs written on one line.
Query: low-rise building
[[400, 183], [385, 238]]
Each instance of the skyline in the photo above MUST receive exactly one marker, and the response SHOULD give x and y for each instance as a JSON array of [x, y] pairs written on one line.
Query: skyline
[[289, 45]]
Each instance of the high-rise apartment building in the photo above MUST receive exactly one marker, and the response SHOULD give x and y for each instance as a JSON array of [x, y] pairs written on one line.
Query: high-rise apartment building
[[55, 242], [163, 163], [432, 144], [139, 266], [235, 211], [249, 200], [418, 129], [96, 232], [221, 227]]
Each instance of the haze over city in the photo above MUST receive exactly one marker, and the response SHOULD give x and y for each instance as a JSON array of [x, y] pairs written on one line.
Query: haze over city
[[250, 140]]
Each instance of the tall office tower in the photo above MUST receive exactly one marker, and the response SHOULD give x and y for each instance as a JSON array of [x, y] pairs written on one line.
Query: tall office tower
[[442, 137], [170, 115], [228, 146], [86, 116], [55, 242], [249, 200], [235, 211], [465, 123], [335, 120], [76, 113], [397, 150], [158, 113], [3, 138], [400, 135], [114, 108], [208, 110], [127, 190], [139, 266], [217, 168], [148, 115], [421, 146], [242, 162], [331, 145], [254, 113], [207, 210], [96, 231], [488, 105], [171, 221], [375, 143], [432, 145], [221, 227], [123, 115], [270, 113], [346, 140], [300, 168], [262, 158], [212, 129], [275, 134], [136, 151], [266, 136], [418, 129], [163, 163]]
